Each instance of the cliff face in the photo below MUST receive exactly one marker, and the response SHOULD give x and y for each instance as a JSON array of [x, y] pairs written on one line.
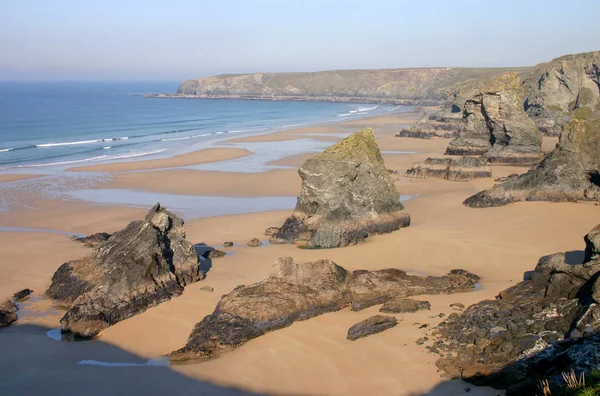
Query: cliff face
[[563, 85], [434, 84]]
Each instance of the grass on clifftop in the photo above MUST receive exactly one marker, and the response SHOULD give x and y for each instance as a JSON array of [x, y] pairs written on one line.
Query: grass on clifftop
[[585, 385]]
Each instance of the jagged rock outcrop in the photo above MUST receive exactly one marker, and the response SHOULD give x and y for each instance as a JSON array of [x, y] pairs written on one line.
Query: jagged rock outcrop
[[296, 292], [94, 240], [147, 263], [556, 88], [535, 330], [463, 168], [373, 325], [347, 194], [569, 173], [495, 125], [8, 313], [437, 125]]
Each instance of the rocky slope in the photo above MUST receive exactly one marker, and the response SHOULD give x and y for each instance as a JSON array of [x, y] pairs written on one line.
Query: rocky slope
[[495, 125], [569, 173], [347, 194], [147, 263], [560, 86], [544, 326], [296, 292]]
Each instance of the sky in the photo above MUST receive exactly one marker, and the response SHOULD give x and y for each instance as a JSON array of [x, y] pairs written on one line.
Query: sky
[[180, 39]]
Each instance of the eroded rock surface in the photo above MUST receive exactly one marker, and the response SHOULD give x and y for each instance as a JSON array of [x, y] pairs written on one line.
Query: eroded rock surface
[[440, 124], [373, 325], [147, 263], [535, 330], [8, 313], [404, 305], [569, 173], [347, 194], [301, 291], [463, 168], [496, 126]]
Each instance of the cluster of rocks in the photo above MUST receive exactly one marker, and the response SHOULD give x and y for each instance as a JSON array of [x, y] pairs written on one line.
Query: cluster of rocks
[[296, 292], [463, 168], [571, 172], [496, 126], [537, 329], [347, 194], [147, 263], [441, 124], [9, 308]]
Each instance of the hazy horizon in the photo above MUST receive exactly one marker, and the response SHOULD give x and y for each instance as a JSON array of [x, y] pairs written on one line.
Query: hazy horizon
[[154, 41]]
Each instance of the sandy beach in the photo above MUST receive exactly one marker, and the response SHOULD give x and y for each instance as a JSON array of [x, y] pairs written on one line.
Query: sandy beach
[[311, 357]]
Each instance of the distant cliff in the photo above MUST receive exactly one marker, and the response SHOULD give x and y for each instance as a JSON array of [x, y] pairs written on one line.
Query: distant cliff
[[428, 85]]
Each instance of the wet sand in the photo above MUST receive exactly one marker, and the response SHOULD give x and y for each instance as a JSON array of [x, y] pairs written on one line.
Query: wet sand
[[311, 357], [194, 158], [16, 177]]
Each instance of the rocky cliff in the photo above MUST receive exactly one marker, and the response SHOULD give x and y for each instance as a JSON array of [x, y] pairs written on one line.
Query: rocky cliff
[[426, 85]]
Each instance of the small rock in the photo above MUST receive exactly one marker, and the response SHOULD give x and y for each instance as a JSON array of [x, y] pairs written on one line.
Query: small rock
[[227, 244], [255, 242], [277, 241], [422, 340], [94, 240], [216, 253], [404, 305], [8, 314], [457, 306], [18, 296], [424, 325], [272, 231], [373, 325], [207, 288]]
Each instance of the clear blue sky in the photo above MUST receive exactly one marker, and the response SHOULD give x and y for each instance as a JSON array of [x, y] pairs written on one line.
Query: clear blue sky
[[178, 39]]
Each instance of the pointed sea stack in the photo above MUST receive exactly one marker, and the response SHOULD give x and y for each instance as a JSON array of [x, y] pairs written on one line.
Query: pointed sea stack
[[347, 194], [569, 173], [496, 126], [139, 267]]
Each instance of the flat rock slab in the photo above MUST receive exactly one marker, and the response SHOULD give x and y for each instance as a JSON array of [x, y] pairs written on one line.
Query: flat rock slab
[[373, 325], [404, 305]]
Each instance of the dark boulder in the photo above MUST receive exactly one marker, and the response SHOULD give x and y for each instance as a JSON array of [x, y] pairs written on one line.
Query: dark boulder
[[296, 292], [373, 325], [94, 240], [347, 194], [22, 294], [141, 266], [8, 313]]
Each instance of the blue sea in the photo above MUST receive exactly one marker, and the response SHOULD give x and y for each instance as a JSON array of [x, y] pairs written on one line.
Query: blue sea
[[62, 124]]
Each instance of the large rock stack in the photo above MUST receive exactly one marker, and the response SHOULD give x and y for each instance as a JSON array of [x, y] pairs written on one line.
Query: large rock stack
[[569, 173], [495, 125], [544, 326], [347, 194], [147, 263]]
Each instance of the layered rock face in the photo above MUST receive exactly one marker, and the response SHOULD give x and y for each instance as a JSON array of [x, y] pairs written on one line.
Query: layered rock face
[[535, 330], [560, 86], [495, 125], [347, 194], [437, 125], [147, 263], [464, 168], [300, 291], [569, 173]]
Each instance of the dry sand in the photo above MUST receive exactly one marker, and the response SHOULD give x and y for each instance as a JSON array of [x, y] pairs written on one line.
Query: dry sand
[[311, 357]]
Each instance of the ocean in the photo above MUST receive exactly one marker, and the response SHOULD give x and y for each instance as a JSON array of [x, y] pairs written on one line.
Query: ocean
[[49, 125]]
